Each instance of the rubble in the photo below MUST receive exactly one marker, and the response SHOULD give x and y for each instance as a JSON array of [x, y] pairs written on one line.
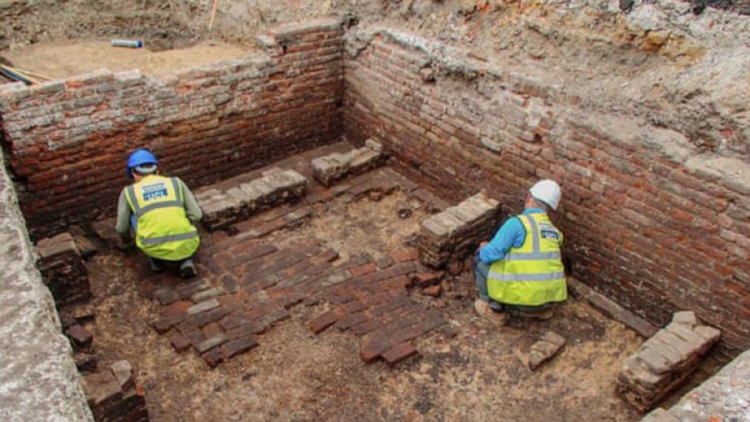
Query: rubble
[[62, 268], [455, 232], [112, 394], [665, 361], [433, 291], [333, 167], [224, 207]]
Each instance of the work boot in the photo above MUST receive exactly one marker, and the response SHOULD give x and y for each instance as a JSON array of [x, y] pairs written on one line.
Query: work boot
[[187, 269], [483, 308], [155, 265], [541, 315]]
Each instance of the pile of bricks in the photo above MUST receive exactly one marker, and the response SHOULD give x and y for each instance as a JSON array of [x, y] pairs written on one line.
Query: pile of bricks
[[333, 167], [113, 396], [665, 360], [455, 232], [225, 207], [75, 321], [62, 268]]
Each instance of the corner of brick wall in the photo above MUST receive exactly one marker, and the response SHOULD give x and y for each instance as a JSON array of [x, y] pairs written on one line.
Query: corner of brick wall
[[650, 221], [68, 139]]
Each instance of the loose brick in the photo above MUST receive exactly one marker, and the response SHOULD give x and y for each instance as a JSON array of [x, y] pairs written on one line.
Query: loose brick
[[207, 294], [165, 324], [203, 307], [324, 321], [179, 342], [363, 269], [239, 346], [176, 308], [213, 357], [212, 342], [213, 329], [351, 320], [373, 349], [399, 353], [80, 336], [433, 291]]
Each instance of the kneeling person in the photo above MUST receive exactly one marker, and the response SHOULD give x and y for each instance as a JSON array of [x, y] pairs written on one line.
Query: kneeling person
[[161, 212], [521, 268]]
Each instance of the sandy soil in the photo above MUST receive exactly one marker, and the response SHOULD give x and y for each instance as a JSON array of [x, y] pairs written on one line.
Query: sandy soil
[[471, 371], [64, 59], [360, 227]]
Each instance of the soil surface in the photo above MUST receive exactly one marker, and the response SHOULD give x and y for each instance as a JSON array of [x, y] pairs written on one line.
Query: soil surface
[[65, 59], [471, 371]]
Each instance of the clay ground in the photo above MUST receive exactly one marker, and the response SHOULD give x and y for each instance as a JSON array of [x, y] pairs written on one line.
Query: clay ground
[[65, 59], [467, 370]]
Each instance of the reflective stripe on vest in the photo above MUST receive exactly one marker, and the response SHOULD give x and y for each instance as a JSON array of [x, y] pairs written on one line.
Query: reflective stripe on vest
[[164, 239], [531, 274], [163, 229]]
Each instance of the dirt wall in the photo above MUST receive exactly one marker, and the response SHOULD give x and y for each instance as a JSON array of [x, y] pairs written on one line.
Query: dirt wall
[[24, 22], [68, 140], [650, 219]]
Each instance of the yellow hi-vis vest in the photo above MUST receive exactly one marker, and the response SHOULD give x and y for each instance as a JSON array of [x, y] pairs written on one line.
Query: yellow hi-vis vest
[[163, 230], [533, 274]]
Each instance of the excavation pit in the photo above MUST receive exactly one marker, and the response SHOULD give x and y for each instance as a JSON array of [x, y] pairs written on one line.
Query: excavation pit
[[463, 359], [241, 339]]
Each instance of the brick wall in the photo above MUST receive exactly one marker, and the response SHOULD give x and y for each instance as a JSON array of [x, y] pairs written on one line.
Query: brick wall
[[648, 220], [67, 141]]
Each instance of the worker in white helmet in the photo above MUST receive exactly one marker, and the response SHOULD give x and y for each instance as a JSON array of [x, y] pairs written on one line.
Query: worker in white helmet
[[521, 268]]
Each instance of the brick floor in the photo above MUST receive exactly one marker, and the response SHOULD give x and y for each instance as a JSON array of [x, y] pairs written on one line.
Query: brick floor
[[247, 284]]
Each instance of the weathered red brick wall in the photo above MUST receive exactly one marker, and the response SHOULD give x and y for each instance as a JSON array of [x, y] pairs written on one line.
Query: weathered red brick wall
[[649, 220], [67, 141]]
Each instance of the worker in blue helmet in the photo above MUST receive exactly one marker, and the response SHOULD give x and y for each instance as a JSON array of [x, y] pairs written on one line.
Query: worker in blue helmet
[[162, 213]]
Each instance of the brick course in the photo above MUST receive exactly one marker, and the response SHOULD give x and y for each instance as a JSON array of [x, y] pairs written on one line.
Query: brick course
[[69, 139], [649, 220], [665, 361]]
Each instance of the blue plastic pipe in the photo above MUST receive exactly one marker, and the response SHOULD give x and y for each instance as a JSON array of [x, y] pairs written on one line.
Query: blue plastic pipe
[[127, 43]]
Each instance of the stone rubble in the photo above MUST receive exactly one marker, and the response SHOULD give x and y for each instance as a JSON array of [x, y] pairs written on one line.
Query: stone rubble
[[545, 349], [327, 170], [113, 395], [665, 361], [456, 232], [62, 268], [223, 208]]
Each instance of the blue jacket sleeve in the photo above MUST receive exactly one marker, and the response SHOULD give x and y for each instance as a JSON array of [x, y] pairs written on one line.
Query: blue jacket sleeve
[[511, 234]]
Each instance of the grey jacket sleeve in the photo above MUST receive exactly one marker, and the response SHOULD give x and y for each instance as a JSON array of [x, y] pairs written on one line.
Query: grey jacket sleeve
[[192, 209], [123, 216]]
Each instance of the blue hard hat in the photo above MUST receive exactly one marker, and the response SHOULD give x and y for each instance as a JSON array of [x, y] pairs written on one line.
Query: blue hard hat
[[140, 157]]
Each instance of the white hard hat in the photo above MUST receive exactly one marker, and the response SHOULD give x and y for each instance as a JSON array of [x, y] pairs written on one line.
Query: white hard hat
[[547, 191]]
